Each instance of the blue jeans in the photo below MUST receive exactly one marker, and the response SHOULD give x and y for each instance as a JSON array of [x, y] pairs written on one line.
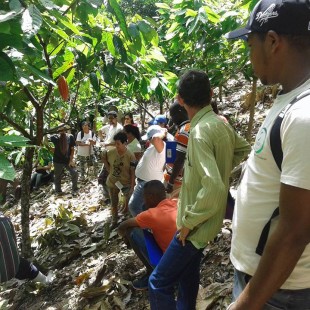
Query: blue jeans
[[281, 300], [178, 266], [136, 202]]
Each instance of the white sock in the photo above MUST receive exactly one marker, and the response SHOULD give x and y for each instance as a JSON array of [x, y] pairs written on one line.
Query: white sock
[[40, 278]]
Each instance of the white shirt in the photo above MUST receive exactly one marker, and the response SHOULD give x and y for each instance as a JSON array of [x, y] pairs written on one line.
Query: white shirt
[[87, 149], [151, 165], [258, 193], [111, 132]]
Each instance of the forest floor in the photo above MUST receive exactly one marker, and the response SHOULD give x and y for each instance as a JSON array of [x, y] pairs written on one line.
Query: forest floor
[[92, 266]]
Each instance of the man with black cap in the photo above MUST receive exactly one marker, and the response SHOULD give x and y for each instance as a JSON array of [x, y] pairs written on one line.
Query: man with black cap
[[271, 240]]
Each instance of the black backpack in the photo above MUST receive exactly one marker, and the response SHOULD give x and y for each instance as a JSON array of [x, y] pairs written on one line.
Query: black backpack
[[277, 153]]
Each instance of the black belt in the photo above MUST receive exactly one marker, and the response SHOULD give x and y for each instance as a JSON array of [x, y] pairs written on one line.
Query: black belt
[[140, 180]]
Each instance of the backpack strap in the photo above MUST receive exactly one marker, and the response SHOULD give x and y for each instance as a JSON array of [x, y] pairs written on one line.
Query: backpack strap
[[277, 153], [82, 134]]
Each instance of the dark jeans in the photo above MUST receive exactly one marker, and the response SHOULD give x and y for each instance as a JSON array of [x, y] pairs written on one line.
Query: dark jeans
[[26, 270], [281, 300], [39, 179], [58, 169], [179, 266]]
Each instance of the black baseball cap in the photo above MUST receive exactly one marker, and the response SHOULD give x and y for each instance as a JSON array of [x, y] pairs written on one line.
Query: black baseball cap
[[282, 16]]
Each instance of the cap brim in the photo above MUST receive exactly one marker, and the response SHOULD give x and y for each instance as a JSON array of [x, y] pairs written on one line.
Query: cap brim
[[238, 34], [144, 137]]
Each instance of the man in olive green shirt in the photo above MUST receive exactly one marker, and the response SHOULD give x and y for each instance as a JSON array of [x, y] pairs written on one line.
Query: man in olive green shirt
[[214, 149]]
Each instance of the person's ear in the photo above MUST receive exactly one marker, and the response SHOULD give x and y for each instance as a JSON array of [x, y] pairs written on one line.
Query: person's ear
[[180, 100], [272, 41]]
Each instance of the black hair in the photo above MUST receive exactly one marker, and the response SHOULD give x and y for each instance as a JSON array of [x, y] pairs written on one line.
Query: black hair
[[130, 115], [195, 89], [120, 136], [178, 113], [134, 130], [155, 188]]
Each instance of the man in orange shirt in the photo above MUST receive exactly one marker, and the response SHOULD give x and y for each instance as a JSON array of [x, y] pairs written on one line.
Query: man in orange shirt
[[160, 217]]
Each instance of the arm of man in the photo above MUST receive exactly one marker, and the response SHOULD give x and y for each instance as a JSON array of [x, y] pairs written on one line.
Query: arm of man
[[291, 236], [125, 225], [205, 172], [158, 143], [242, 149], [177, 167]]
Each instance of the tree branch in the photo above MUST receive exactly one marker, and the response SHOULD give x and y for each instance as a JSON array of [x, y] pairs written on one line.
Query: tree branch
[[16, 126], [122, 95], [30, 96], [50, 71]]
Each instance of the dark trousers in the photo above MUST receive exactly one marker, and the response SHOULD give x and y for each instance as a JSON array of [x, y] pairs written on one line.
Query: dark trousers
[[58, 169]]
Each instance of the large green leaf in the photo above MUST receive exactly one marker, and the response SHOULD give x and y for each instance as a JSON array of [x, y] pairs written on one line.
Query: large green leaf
[[4, 16], [31, 21], [7, 171], [7, 71], [120, 17], [10, 40], [13, 141], [42, 75], [118, 44]]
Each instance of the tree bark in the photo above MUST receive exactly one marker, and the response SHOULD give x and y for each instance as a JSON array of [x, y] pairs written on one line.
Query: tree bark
[[25, 203]]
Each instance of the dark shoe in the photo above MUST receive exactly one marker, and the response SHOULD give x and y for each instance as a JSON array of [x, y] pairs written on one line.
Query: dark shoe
[[75, 193], [142, 283], [60, 193], [107, 201]]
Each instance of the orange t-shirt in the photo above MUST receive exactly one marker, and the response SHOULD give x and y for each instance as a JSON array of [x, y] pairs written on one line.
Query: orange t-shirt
[[162, 221]]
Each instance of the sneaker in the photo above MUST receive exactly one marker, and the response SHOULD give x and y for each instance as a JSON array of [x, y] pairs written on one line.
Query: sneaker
[[142, 283]]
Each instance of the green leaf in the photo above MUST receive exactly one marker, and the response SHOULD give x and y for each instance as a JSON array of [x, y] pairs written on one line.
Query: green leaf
[[43, 76], [7, 71], [147, 31], [110, 44], [7, 171], [120, 17], [13, 141], [4, 16], [10, 40], [48, 4], [31, 21], [15, 5], [163, 6], [118, 44], [94, 81]]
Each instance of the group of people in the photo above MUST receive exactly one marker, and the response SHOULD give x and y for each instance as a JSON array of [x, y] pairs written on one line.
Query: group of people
[[270, 246]]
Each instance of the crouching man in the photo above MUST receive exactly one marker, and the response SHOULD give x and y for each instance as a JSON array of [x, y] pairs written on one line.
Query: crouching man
[[159, 217]]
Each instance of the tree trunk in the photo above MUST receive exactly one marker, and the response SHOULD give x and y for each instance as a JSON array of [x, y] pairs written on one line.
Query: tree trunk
[[25, 202], [252, 110]]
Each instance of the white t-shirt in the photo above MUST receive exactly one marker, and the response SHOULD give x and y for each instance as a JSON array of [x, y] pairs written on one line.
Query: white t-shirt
[[87, 149], [112, 132], [258, 193], [151, 165], [134, 146]]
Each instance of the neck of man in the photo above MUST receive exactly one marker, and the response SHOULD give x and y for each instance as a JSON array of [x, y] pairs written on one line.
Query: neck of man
[[192, 111], [296, 73]]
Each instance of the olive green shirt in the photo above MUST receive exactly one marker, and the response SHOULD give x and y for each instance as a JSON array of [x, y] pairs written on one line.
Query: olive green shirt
[[214, 149]]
